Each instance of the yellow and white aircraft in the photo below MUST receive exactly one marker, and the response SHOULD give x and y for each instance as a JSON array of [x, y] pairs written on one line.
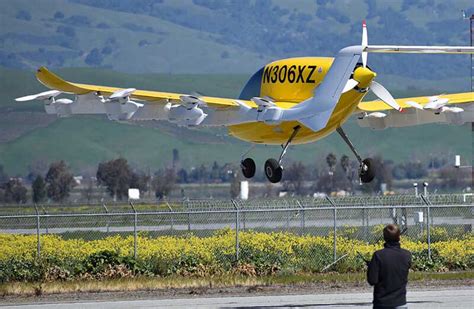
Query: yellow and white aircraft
[[289, 101]]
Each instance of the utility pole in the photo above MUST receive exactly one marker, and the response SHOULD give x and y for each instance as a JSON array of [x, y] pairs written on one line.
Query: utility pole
[[471, 21], [471, 34]]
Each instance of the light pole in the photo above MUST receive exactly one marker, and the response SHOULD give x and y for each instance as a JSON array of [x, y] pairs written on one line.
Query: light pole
[[415, 185], [425, 189]]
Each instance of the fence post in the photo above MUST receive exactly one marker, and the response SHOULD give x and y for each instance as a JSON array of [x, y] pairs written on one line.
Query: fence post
[[334, 227], [135, 221], [107, 217], [171, 215], [189, 215], [302, 217], [237, 228], [38, 233], [45, 219], [428, 223]]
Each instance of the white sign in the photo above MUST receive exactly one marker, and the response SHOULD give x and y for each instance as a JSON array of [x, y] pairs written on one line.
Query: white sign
[[133, 194], [244, 190], [419, 217], [457, 162]]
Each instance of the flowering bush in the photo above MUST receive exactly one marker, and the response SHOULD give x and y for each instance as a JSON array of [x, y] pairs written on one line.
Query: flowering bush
[[260, 254]]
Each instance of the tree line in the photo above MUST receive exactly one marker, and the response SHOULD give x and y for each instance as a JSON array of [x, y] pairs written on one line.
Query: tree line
[[116, 176]]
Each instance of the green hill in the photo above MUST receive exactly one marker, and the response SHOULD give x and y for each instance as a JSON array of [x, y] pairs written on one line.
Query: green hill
[[85, 141], [224, 36]]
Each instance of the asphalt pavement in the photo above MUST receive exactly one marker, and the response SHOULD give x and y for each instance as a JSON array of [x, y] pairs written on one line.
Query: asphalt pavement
[[459, 298]]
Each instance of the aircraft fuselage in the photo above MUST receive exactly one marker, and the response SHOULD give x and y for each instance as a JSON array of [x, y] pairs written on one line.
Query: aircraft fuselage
[[294, 80]]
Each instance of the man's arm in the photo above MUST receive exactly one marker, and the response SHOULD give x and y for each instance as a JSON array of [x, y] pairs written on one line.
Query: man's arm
[[373, 270]]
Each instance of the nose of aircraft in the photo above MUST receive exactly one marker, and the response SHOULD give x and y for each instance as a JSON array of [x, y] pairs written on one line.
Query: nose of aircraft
[[364, 76]]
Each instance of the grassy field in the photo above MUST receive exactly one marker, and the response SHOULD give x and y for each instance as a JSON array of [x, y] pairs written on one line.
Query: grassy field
[[179, 282]]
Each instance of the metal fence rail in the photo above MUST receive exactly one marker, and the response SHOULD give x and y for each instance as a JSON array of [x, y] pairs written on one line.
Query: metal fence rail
[[354, 217]]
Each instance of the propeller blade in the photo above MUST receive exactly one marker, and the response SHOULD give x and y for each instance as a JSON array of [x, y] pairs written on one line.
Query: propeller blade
[[351, 83], [384, 95], [453, 109], [64, 101], [377, 115], [123, 93], [39, 96], [365, 42], [414, 104]]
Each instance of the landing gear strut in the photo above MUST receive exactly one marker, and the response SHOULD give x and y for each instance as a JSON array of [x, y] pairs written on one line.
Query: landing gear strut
[[273, 168], [248, 164], [367, 168]]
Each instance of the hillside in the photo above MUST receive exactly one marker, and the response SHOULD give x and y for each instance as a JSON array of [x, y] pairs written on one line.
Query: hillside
[[224, 36], [29, 137]]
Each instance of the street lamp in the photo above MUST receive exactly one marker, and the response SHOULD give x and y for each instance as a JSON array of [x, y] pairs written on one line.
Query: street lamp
[[415, 185]]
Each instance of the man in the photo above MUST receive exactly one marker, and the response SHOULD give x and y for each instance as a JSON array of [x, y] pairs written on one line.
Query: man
[[388, 271]]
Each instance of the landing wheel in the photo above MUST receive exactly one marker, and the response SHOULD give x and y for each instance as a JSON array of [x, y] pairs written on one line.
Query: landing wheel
[[248, 167], [367, 170], [273, 170]]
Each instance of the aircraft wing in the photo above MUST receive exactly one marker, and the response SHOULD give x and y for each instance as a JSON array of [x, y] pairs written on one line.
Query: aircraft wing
[[456, 108], [55, 82], [140, 105]]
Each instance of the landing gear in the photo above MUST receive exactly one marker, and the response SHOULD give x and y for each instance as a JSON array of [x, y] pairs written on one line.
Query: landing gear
[[367, 171], [273, 168], [248, 167], [367, 168]]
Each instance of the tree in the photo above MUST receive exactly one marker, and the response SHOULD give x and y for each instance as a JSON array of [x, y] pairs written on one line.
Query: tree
[[14, 192], [175, 158], [3, 175], [350, 170], [88, 191], [331, 160], [164, 182], [383, 174], [139, 181], [295, 175], [60, 181], [235, 184], [58, 15], [39, 189], [116, 176], [94, 58], [37, 167]]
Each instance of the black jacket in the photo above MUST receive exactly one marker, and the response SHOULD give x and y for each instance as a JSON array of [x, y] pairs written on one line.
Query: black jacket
[[388, 273]]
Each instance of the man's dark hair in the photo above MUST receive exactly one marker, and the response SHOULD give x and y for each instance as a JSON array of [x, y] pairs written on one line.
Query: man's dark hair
[[391, 233]]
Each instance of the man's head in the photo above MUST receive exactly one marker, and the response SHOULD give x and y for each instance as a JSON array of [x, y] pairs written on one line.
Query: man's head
[[391, 233]]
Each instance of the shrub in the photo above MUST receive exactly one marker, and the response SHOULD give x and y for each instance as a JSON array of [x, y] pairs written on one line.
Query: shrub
[[260, 254]]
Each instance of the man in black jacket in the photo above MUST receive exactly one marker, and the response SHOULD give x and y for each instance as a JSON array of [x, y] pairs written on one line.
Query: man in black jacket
[[388, 271]]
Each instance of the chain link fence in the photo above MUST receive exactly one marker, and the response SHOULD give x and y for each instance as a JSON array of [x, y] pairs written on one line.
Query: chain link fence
[[425, 219]]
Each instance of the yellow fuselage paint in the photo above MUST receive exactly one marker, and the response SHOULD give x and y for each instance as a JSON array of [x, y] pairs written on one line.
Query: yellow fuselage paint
[[294, 80]]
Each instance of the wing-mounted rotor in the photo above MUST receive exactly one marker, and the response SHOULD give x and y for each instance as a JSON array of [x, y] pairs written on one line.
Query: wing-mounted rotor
[[419, 110], [119, 105], [188, 112], [61, 107]]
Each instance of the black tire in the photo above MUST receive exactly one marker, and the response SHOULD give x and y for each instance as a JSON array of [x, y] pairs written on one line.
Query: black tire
[[248, 167], [367, 174], [273, 170]]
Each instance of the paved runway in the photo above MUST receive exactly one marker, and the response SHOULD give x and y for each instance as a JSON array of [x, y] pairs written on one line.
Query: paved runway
[[455, 298], [90, 226]]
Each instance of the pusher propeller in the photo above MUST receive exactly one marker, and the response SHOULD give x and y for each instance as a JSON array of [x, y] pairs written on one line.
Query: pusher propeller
[[378, 89]]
